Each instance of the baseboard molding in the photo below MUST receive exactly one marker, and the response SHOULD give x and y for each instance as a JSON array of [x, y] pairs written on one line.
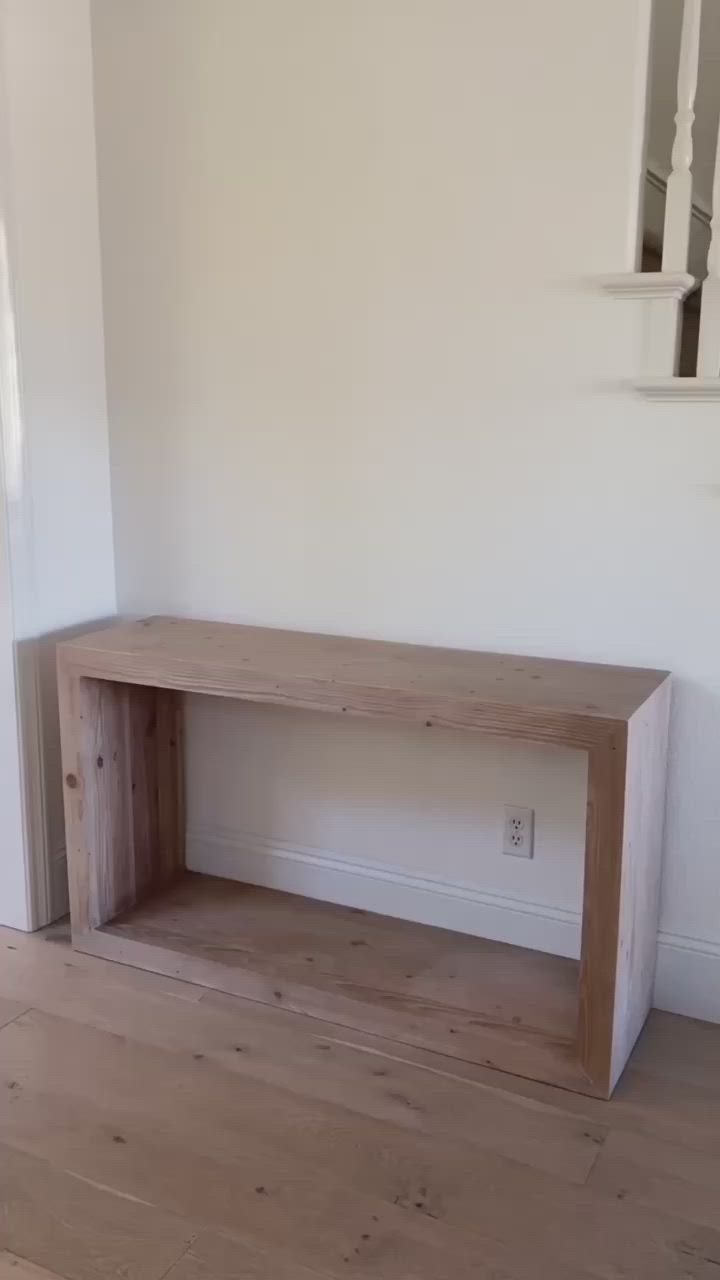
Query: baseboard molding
[[688, 973], [389, 890], [688, 977]]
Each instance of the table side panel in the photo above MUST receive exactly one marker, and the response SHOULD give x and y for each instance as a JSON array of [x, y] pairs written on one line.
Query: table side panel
[[641, 873], [626, 806], [123, 787], [601, 904]]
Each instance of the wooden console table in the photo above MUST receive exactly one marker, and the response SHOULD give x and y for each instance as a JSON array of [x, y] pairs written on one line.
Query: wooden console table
[[520, 1011]]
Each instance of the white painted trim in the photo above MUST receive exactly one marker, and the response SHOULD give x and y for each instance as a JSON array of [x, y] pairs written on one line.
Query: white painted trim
[[16, 503], [688, 974], [373, 886], [649, 284], [678, 388], [34, 777], [688, 977]]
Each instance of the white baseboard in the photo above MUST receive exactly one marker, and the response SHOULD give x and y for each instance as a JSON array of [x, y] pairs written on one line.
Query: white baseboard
[[389, 890], [688, 977], [688, 974]]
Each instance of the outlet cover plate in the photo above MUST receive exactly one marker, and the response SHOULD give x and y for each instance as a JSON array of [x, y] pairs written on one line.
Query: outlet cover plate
[[519, 832]]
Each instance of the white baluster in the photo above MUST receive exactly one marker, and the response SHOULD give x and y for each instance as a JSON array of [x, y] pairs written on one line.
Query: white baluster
[[709, 347], [678, 206]]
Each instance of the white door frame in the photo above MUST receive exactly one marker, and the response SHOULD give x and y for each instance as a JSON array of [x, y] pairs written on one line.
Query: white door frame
[[25, 865]]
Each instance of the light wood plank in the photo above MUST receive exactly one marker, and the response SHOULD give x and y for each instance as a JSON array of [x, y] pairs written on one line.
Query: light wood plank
[[495, 692], [182, 1139], [621, 898], [181, 1110], [299, 1054], [79, 1230], [14, 1268], [284, 1048], [188, 1098], [680, 1049], [216, 1257], [662, 1176], [267, 1201], [123, 794], [10, 1009], [641, 873], [482, 1001], [296, 939]]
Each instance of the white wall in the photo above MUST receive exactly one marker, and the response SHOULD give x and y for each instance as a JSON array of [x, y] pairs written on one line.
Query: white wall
[[359, 381], [54, 415]]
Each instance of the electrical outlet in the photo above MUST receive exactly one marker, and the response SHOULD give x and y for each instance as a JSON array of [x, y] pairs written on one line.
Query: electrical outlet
[[519, 832]]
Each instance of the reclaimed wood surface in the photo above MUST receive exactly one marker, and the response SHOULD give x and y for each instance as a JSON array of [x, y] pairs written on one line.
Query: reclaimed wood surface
[[541, 698], [484, 1001], [120, 696]]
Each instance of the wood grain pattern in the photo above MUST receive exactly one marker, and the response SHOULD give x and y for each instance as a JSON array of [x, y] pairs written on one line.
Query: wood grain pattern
[[217, 1257], [483, 1001], [287, 1171], [123, 790], [645, 1212], [377, 1077], [13, 1267], [499, 693], [65, 1224], [660, 1176], [639, 900], [120, 690], [601, 906], [623, 864]]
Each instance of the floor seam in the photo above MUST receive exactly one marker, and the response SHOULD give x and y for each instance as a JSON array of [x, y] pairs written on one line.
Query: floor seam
[[20, 1014], [180, 1257]]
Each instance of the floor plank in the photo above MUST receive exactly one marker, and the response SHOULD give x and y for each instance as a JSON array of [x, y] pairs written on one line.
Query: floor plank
[[680, 1049], [671, 1178], [127, 1119], [14, 1268], [216, 1257], [306, 1057], [152, 1128], [317, 1182], [80, 1231], [10, 1009]]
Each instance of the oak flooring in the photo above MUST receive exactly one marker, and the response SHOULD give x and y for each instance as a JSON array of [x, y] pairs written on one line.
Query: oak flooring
[[150, 1129]]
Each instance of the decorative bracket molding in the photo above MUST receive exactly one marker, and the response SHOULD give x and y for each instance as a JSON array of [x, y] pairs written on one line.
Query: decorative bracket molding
[[678, 388], [662, 294], [649, 284]]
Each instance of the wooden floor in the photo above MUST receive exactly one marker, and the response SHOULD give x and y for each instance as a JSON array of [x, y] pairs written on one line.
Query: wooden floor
[[153, 1129]]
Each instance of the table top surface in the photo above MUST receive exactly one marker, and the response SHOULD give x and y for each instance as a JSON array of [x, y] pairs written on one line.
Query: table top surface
[[358, 675]]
